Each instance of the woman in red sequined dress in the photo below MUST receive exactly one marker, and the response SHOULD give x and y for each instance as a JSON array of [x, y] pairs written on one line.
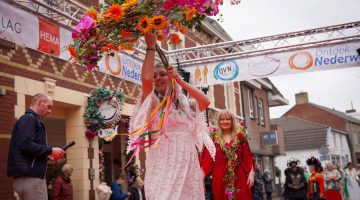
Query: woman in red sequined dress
[[233, 168]]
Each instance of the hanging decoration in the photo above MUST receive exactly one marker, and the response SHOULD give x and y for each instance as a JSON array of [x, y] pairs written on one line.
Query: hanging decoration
[[120, 25], [103, 110]]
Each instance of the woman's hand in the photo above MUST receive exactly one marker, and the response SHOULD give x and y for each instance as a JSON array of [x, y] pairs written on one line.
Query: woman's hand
[[150, 39], [173, 74], [250, 180]]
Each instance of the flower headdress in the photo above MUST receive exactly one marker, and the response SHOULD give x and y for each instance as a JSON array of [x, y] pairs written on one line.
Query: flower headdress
[[293, 160], [312, 161]]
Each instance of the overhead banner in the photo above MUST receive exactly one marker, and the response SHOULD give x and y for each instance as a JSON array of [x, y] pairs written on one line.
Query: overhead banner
[[307, 60], [22, 27]]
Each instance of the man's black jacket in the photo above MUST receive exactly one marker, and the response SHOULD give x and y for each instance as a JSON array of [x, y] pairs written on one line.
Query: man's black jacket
[[28, 149]]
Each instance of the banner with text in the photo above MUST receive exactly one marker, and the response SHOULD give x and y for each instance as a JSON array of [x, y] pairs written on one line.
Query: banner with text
[[329, 56], [24, 28]]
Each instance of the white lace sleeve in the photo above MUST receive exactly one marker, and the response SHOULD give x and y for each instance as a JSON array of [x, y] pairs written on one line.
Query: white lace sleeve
[[201, 130], [139, 116]]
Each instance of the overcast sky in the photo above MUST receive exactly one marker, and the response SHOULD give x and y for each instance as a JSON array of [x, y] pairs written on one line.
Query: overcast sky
[[256, 18]]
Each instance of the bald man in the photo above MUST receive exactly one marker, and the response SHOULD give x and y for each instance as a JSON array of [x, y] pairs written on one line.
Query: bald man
[[29, 151]]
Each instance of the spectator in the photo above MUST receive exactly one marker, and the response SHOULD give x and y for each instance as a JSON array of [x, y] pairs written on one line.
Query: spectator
[[353, 186], [117, 189], [268, 184], [29, 152], [62, 187], [295, 186], [137, 192]]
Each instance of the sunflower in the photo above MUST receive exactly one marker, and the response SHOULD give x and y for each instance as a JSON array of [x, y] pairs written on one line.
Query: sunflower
[[93, 14], [72, 52], [144, 24], [159, 22], [115, 12], [190, 14], [175, 38], [125, 34]]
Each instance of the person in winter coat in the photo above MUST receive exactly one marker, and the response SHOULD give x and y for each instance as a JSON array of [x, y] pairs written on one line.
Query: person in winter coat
[[268, 184], [62, 188], [137, 192], [29, 151], [117, 189]]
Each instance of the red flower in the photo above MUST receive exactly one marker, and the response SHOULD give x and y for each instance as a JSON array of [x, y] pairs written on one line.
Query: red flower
[[240, 135], [227, 145], [232, 163]]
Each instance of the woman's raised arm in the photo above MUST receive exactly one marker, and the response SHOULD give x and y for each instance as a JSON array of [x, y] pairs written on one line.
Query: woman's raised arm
[[147, 71]]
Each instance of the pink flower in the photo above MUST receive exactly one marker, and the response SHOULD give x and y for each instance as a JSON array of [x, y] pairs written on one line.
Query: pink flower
[[167, 5], [85, 24], [242, 123]]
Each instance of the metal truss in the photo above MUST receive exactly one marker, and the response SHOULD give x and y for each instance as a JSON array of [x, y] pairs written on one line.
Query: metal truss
[[66, 12], [263, 45]]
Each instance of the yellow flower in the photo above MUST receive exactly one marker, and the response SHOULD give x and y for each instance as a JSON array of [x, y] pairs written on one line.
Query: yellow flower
[[159, 22], [144, 24]]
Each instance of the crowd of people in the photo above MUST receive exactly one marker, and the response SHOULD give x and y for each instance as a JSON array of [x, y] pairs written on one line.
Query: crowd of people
[[333, 182]]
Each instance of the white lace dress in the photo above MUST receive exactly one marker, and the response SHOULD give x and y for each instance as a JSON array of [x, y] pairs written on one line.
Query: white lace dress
[[172, 165]]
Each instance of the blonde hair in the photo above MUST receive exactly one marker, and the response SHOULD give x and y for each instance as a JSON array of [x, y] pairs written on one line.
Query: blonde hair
[[233, 120]]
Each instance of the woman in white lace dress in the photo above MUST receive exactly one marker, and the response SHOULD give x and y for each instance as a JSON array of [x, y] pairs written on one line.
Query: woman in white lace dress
[[353, 185], [172, 164]]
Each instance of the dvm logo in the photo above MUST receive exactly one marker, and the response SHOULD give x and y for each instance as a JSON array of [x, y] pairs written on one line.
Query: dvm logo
[[226, 71]]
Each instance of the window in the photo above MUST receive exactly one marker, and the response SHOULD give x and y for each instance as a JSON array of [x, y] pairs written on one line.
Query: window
[[256, 103], [227, 96], [261, 111], [251, 103], [238, 93]]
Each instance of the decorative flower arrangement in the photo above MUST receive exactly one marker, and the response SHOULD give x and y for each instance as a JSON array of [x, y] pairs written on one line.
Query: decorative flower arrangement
[[230, 152], [93, 119], [119, 26]]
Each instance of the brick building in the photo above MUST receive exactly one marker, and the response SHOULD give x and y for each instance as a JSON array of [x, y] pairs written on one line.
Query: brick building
[[306, 110]]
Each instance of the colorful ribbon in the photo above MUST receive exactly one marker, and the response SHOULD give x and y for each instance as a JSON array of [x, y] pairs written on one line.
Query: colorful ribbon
[[161, 112]]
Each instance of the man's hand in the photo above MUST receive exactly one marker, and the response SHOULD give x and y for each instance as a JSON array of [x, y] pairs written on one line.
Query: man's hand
[[56, 153]]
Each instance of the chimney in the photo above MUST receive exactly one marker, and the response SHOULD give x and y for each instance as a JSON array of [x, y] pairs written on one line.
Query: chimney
[[301, 98]]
